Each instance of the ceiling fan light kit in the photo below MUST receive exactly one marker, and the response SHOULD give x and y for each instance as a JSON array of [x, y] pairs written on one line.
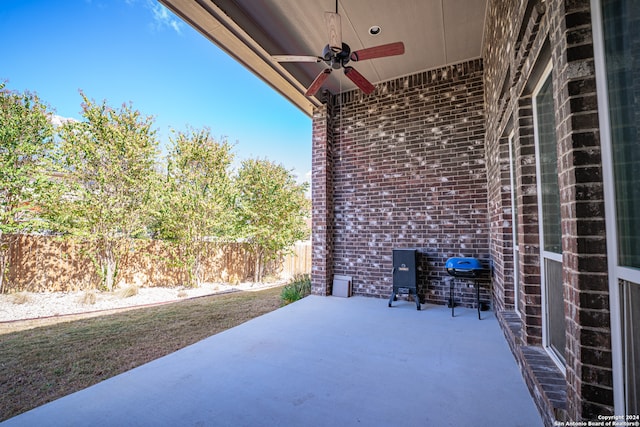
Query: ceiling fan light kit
[[337, 54], [336, 59]]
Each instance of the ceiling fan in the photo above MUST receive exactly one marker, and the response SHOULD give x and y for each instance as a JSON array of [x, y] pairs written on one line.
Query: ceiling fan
[[337, 55]]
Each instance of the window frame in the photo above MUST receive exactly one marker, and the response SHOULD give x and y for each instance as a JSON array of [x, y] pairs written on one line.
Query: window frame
[[515, 240], [544, 254]]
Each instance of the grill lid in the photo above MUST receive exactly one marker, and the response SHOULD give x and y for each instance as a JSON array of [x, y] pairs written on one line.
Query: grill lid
[[463, 266]]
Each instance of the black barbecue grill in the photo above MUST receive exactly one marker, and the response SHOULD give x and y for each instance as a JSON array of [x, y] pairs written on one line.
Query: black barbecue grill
[[467, 268]]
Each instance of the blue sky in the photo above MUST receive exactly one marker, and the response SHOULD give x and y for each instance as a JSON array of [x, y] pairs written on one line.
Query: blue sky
[[137, 51]]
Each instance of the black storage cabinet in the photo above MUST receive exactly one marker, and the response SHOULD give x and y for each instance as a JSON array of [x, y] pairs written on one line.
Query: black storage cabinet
[[405, 275]]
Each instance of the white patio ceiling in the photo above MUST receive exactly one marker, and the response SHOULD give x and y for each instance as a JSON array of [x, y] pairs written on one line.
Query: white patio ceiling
[[434, 32]]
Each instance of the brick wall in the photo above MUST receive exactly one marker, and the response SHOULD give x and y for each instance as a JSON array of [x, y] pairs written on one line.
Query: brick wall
[[589, 371], [520, 38], [403, 167], [531, 294], [322, 195]]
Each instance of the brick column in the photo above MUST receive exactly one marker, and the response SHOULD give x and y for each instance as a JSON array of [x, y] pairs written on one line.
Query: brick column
[[588, 348], [322, 197], [499, 196], [531, 296]]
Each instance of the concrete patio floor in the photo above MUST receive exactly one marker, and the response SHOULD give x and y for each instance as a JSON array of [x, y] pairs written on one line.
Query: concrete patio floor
[[322, 361]]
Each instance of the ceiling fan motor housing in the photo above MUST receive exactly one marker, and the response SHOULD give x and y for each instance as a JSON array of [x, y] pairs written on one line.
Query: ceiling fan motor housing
[[336, 60]]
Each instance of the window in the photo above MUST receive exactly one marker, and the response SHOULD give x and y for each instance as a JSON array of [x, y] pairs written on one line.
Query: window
[[554, 325], [514, 225], [622, 51], [630, 302], [548, 158]]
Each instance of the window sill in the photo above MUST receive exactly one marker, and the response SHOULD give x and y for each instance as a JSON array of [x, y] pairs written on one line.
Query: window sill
[[546, 382]]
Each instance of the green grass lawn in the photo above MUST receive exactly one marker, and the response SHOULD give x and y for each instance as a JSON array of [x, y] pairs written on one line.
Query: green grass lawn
[[45, 363]]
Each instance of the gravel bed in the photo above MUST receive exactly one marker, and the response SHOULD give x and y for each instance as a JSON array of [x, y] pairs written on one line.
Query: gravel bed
[[28, 305]]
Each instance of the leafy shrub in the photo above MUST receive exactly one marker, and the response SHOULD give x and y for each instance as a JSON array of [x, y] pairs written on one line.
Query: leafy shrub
[[299, 288]]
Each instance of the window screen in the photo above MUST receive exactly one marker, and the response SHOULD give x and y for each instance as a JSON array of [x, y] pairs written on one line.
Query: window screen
[[548, 150]]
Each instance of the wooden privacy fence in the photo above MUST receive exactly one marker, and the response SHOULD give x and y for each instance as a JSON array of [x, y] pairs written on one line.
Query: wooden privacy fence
[[298, 262], [43, 263]]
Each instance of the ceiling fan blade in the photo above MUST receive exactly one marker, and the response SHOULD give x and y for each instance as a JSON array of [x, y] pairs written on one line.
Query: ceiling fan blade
[[381, 51], [334, 30], [359, 80], [317, 83], [296, 58]]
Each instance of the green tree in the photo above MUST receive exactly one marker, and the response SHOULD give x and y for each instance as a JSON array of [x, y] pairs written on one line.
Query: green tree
[[110, 160], [272, 209], [195, 209], [27, 158]]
